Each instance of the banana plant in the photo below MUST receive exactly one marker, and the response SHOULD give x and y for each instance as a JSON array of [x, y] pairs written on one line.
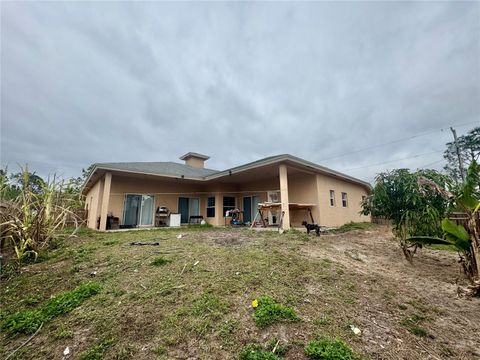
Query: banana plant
[[464, 237]]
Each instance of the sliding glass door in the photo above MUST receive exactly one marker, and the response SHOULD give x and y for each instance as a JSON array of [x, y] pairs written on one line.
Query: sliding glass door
[[138, 210], [146, 212], [188, 207], [131, 210], [250, 207]]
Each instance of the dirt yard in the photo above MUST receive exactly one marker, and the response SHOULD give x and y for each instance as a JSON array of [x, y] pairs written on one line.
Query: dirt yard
[[198, 304], [389, 289]]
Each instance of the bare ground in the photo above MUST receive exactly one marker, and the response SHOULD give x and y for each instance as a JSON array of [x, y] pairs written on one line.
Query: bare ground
[[387, 283]]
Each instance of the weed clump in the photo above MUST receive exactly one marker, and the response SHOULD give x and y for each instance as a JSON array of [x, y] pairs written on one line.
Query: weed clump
[[160, 261], [255, 352], [96, 352], [326, 349], [28, 321], [276, 346], [267, 311], [354, 226], [412, 323]]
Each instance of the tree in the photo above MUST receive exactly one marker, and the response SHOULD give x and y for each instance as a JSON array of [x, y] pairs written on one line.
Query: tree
[[414, 210], [469, 147], [464, 237], [74, 187], [33, 181], [8, 191]]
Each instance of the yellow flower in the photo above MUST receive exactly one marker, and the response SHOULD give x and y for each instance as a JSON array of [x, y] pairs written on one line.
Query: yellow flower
[[255, 303]]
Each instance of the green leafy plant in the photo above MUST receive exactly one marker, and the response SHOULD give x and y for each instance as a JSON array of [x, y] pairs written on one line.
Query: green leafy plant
[[412, 208], [29, 321], [464, 237], [326, 349], [256, 352], [269, 311]]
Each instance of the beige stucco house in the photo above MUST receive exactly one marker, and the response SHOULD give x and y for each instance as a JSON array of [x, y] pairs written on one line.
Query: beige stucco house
[[132, 193]]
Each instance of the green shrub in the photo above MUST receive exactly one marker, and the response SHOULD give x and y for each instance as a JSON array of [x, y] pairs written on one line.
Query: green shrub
[[160, 261], [28, 321], [268, 311], [326, 349], [255, 352]]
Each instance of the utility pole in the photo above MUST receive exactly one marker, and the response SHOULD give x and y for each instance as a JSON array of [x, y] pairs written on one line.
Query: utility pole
[[460, 162]]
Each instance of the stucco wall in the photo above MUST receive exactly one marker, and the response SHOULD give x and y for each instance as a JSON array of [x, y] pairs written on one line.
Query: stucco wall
[[195, 162], [338, 215], [93, 201], [166, 193], [302, 188]]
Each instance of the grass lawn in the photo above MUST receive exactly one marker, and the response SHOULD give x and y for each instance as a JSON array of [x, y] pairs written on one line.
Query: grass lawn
[[191, 297]]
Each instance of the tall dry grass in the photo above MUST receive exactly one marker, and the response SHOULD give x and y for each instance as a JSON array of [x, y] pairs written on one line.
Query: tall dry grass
[[31, 221]]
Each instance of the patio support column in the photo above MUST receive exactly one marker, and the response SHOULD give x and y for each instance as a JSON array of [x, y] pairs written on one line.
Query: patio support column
[[282, 169], [105, 201], [318, 187], [219, 209]]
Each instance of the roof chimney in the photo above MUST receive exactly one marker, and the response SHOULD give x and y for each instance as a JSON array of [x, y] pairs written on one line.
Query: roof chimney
[[195, 159]]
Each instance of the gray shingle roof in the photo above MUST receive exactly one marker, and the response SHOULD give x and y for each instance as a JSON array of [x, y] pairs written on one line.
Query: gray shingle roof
[[160, 168], [189, 172]]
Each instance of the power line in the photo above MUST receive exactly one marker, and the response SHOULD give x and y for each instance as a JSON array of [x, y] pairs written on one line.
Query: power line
[[430, 164], [396, 160], [396, 141]]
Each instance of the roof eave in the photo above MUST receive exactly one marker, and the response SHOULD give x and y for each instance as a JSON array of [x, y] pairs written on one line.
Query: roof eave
[[287, 157], [107, 168]]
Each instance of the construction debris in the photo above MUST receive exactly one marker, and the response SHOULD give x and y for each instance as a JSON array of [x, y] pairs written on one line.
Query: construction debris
[[66, 352], [470, 291], [355, 330]]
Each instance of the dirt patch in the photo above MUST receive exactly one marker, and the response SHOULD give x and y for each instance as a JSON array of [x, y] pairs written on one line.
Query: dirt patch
[[389, 290], [231, 237]]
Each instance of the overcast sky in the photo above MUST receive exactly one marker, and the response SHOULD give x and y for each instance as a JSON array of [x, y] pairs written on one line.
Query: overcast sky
[[89, 82]]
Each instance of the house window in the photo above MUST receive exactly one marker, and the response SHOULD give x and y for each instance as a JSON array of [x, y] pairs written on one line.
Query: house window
[[332, 198], [228, 204], [363, 198], [344, 199], [211, 207]]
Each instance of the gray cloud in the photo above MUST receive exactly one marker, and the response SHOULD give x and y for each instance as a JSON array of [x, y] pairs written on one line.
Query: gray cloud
[[88, 82]]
